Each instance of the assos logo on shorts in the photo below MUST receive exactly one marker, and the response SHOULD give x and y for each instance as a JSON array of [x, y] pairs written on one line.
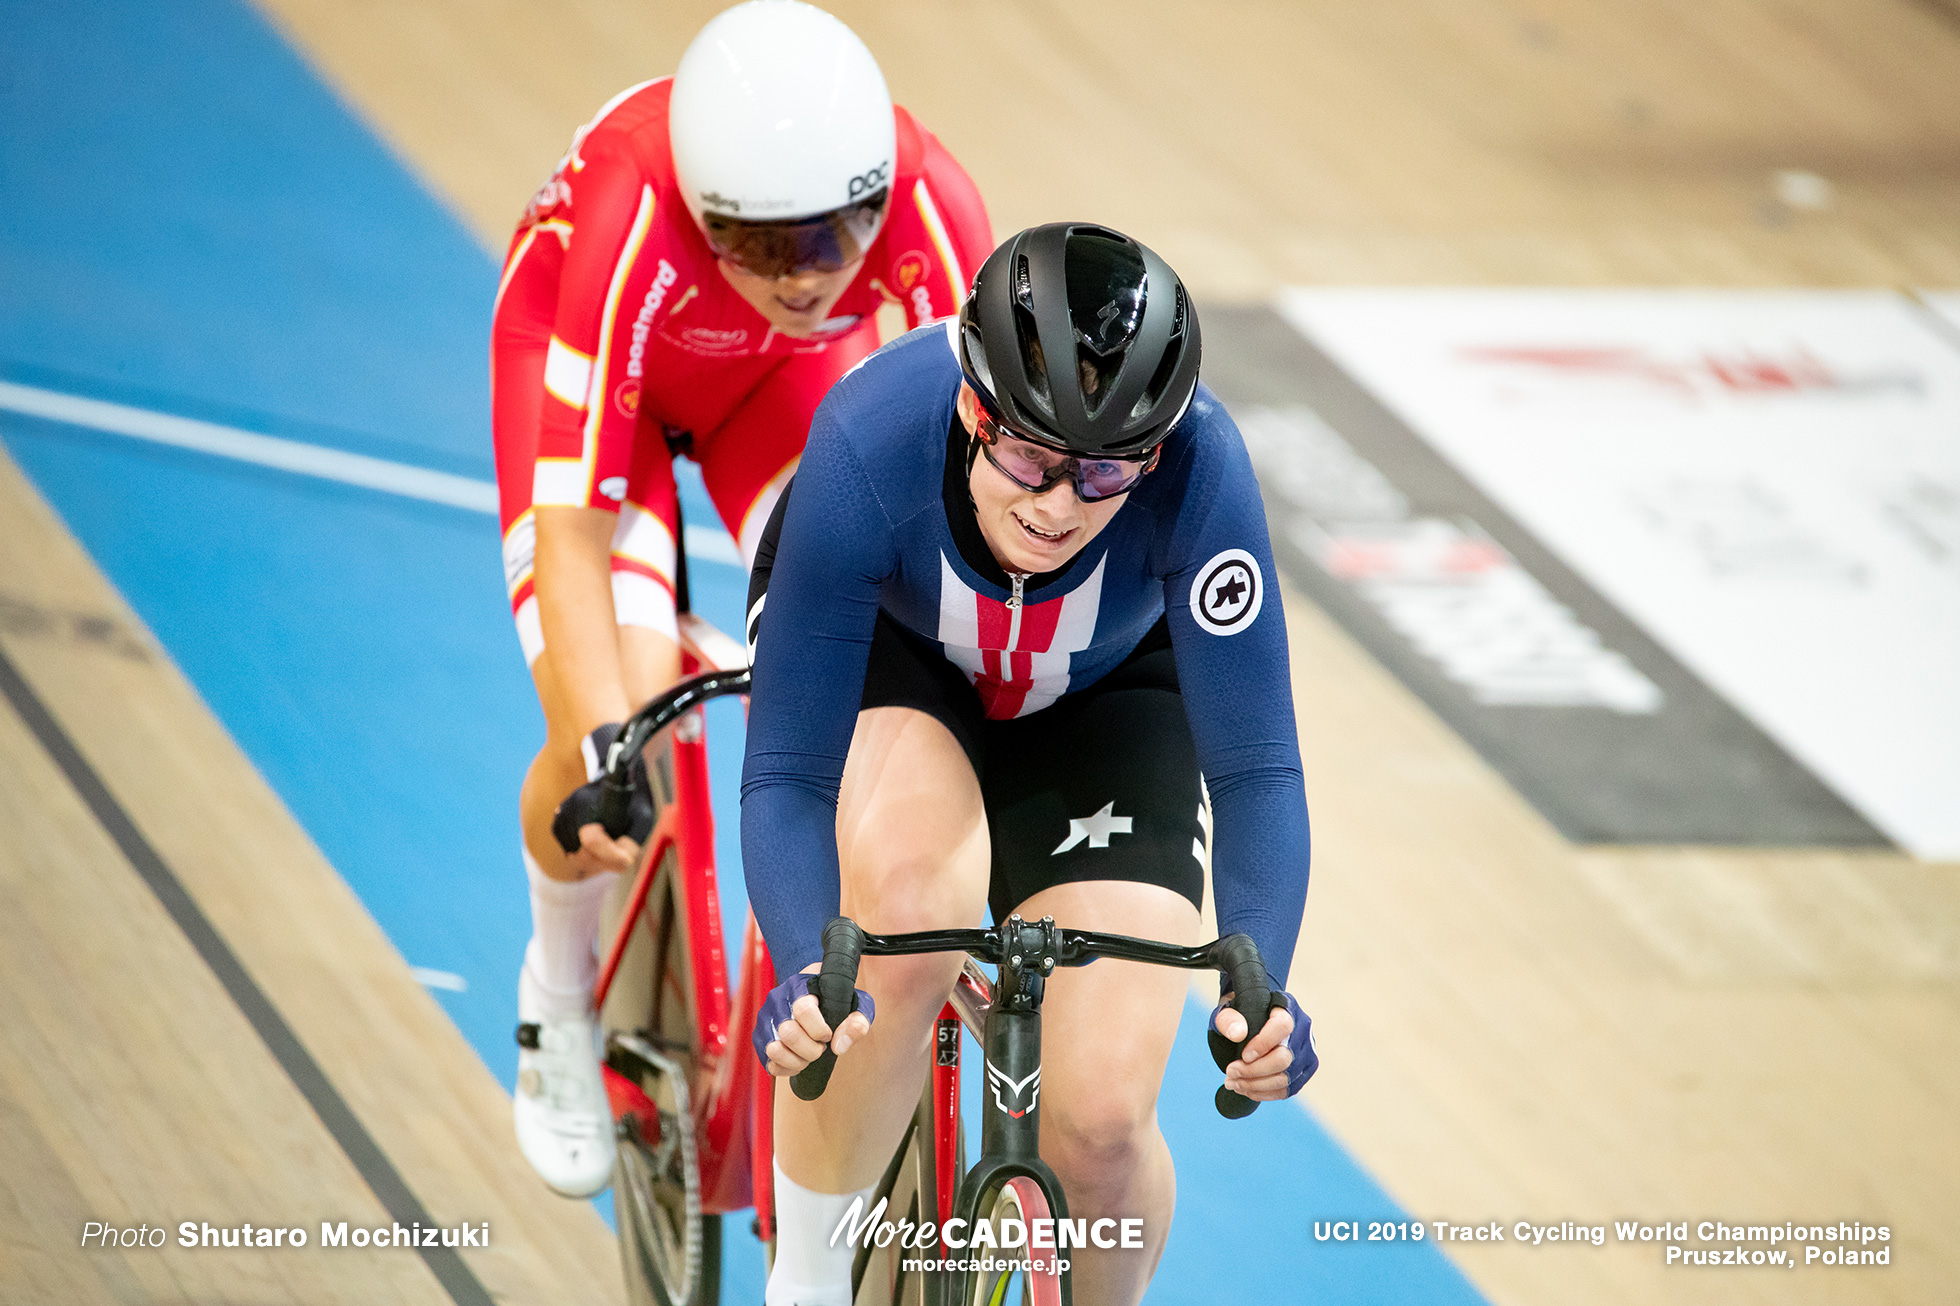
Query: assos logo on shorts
[[1226, 596]]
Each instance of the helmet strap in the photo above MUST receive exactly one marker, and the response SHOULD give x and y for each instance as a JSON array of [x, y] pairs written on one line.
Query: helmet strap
[[972, 456]]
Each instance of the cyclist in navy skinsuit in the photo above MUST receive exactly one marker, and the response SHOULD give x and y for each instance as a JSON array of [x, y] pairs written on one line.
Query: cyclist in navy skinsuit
[[1037, 545]]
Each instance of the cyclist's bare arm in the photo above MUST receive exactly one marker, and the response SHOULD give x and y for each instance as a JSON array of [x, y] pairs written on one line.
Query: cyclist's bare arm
[[583, 645], [575, 606]]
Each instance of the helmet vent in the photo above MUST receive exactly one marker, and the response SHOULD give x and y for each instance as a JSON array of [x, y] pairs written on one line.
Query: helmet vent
[[976, 358], [1160, 381], [1034, 363], [1097, 374]]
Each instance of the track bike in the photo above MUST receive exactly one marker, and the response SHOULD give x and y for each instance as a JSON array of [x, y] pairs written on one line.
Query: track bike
[[691, 1108]]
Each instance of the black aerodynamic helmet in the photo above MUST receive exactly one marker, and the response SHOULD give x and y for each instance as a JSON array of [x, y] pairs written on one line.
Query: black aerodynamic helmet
[[1079, 337]]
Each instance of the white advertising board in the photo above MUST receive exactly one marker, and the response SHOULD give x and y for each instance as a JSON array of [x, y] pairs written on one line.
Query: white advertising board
[[1767, 482], [1945, 305]]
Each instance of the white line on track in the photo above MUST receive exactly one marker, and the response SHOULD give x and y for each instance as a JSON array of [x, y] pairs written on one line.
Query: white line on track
[[704, 544], [439, 979]]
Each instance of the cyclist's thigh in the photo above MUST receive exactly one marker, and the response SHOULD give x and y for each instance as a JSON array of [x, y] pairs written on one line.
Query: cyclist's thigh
[[561, 732], [911, 827], [1107, 1029], [645, 562], [746, 460]]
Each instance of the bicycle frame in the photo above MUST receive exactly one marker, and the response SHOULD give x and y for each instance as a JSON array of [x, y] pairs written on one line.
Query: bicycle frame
[[1007, 1025], [1006, 1019], [729, 1099]]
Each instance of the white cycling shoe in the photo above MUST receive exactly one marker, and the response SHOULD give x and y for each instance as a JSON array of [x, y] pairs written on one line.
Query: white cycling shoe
[[564, 1123]]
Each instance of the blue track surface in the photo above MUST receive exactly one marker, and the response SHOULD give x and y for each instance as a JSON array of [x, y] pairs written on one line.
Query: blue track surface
[[190, 222]]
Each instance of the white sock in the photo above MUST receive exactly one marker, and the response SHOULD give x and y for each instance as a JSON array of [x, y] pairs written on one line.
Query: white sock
[[562, 953], [810, 1271]]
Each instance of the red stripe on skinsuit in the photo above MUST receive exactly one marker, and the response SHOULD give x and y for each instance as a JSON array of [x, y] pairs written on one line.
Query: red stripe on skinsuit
[[999, 697], [1002, 702], [994, 621], [1038, 624]]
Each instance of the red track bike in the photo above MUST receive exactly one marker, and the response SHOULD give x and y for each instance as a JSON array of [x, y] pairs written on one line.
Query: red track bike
[[690, 1103]]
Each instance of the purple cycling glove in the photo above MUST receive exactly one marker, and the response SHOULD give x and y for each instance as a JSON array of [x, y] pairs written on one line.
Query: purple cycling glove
[[1306, 1058], [775, 1011]]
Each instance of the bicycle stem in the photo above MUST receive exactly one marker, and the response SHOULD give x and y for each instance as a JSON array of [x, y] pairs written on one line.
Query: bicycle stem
[[1027, 954]]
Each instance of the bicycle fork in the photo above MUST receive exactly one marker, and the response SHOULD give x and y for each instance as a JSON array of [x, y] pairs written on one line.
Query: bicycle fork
[[1010, 1134]]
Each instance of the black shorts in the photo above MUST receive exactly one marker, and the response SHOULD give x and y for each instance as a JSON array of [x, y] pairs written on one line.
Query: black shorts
[[1102, 784]]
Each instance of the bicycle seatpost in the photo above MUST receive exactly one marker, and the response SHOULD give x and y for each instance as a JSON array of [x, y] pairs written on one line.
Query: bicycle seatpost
[[835, 985], [1244, 977]]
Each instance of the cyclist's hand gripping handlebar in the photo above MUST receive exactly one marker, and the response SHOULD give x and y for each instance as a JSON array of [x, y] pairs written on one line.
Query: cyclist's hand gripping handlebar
[[1243, 975], [835, 985], [618, 796]]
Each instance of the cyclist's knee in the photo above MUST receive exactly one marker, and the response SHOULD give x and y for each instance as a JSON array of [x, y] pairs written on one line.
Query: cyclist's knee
[[910, 989], [920, 885], [1098, 1142]]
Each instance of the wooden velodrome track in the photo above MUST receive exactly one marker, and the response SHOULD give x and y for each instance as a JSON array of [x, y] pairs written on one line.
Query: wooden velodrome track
[[1515, 1028]]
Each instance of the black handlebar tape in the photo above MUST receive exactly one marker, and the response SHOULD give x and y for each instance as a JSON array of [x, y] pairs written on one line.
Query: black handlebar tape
[[607, 802], [835, 985], [579, 810], [616, 802], [1252, 998]]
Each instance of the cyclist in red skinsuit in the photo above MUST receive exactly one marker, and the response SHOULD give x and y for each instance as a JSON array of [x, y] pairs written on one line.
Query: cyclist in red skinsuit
[[713, 253], [613, 321]]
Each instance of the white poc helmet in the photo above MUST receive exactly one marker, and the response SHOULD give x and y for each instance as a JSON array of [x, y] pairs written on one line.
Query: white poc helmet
[[779, 112]]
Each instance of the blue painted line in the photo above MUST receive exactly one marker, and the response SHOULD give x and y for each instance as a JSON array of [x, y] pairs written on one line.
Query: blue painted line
[[1263, 1182], [191, 224]]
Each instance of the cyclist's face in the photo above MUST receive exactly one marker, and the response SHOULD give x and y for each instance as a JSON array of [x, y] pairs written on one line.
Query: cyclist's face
[[1026, 531], [795, 305]]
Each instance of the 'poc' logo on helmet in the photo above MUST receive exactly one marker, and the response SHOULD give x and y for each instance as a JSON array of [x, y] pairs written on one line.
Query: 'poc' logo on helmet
[[866, 183]]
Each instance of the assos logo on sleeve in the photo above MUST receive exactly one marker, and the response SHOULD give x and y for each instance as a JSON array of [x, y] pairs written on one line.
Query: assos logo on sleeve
[[1227, 595]]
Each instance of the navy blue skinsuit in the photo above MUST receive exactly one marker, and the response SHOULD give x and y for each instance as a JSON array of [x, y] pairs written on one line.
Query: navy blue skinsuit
[[866, 528]]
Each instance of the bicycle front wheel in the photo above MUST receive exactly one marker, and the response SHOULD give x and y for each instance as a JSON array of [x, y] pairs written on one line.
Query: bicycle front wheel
[[670, 1249], [1021, 1201], [910, 1187]]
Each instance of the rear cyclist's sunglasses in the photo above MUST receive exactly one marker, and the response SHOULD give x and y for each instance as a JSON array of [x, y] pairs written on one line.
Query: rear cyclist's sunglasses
[[827, 242], [1040, 467]]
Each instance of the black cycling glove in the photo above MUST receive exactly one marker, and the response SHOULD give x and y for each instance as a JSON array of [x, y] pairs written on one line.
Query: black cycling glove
[[583, 807]]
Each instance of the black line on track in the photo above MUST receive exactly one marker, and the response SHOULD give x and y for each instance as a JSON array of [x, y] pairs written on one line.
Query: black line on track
[[446, 1263]]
